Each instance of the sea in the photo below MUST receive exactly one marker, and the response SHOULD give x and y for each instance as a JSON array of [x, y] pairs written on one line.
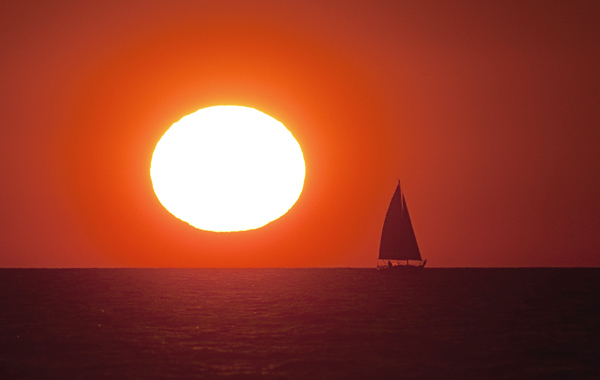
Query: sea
[[530, 323]]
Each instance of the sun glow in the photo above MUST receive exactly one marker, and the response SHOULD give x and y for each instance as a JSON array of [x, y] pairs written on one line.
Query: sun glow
[[227, 168]]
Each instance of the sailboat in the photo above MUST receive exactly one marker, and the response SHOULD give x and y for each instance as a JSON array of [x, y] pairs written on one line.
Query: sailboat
[[398, 248]]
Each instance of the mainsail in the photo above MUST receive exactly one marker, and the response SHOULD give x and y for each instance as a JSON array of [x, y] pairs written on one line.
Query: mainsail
[[398, 241]]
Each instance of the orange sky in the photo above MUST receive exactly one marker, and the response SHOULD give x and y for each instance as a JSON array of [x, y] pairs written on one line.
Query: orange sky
[[488, 113]]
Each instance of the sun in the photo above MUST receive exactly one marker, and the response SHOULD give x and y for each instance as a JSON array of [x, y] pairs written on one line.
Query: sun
[[227, 168]]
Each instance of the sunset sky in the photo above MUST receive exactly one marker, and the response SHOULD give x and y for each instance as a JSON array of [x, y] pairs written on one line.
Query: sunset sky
[[489, 113]]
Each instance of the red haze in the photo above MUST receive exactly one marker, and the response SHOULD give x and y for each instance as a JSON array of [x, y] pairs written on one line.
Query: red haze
[[487, 113]]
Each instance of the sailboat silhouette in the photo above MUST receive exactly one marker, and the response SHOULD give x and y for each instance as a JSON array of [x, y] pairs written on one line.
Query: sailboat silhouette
[[398, 241]]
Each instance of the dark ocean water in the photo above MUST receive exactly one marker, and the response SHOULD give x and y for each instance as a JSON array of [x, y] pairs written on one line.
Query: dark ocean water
[[299, 324]]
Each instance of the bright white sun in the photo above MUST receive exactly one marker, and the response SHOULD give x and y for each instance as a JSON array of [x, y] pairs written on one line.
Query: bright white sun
[[227, 168]]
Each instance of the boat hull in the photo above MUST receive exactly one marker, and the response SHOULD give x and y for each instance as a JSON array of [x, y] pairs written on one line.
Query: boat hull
[[402, 268]]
